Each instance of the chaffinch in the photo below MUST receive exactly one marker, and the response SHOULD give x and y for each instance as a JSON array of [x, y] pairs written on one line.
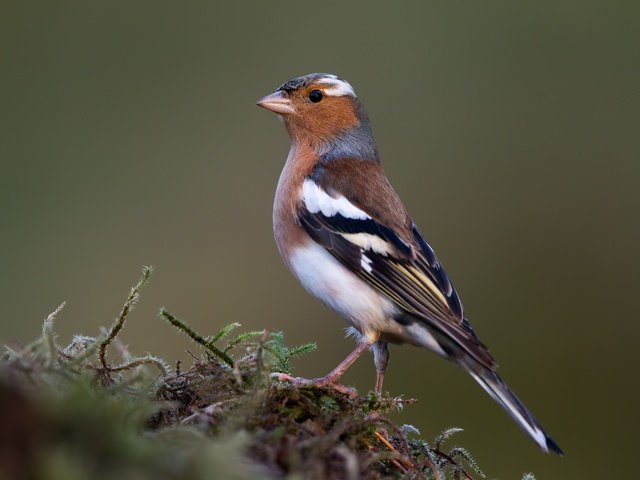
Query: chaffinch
[[346, 236]]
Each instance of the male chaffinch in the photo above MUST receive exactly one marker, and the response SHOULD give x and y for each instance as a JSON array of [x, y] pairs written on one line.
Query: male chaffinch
[[346, 236]]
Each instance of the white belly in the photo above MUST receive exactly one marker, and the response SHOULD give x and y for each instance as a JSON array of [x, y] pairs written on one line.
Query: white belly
[[324, 277]]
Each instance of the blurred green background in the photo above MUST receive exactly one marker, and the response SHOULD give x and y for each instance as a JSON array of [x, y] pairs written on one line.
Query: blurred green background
[[129, 136]]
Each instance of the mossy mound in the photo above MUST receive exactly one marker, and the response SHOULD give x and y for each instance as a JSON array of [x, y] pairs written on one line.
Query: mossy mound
[[68, 413]]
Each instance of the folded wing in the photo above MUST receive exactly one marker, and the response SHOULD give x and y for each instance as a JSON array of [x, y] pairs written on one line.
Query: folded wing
[[406, 270]]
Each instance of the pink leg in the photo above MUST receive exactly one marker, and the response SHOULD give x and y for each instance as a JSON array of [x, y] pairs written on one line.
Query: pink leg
[[379, 379], [381, 360], [332, 377]]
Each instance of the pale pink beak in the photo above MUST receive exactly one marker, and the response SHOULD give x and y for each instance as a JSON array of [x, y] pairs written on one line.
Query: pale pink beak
[[277, 102]]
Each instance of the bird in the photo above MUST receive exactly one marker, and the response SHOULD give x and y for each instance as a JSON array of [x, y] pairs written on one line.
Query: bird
[[344, 233]]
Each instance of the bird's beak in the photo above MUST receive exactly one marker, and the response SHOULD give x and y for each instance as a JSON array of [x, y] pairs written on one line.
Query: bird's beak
[[277, 102]]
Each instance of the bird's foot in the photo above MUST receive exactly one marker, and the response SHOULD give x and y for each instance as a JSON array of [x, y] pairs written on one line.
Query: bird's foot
[[321, 382]]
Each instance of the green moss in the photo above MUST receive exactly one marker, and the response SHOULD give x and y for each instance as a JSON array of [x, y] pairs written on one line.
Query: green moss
[[70, 414]]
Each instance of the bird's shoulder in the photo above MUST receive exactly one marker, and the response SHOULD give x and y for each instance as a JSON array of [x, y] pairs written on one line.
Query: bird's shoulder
[[365, 185]]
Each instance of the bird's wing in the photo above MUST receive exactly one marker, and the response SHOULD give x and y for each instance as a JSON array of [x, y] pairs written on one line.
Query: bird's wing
[[396, 261]]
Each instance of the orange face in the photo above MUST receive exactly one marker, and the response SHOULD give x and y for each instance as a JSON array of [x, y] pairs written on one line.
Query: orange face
[[315, 110]]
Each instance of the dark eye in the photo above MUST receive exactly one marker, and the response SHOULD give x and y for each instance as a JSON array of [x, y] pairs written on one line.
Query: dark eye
[[315, 96]]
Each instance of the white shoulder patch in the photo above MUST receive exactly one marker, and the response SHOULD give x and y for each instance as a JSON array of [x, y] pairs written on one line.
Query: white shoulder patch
[[317, 200], [337, 86]]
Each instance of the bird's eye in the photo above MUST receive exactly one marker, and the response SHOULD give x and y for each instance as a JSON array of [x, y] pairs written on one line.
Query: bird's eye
[[315, 96]]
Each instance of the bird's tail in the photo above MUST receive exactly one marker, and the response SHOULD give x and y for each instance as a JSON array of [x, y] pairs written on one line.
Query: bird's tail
[[501, 393]]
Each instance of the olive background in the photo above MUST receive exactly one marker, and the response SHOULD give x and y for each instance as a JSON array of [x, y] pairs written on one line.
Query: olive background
[[129, 135]]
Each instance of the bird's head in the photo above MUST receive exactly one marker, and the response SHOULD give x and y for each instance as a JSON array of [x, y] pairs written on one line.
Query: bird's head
[[323, 111]]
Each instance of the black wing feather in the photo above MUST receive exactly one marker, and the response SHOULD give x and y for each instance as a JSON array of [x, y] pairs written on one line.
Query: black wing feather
[[412, 277]]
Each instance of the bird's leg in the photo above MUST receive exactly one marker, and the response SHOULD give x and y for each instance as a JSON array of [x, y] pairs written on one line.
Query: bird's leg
[[332, 377], [336, 373], [381, 360]]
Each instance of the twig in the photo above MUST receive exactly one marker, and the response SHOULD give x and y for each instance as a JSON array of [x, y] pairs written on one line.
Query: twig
[[133, 297], [196, 337], [260, 361], [148, 360], [49, 336], [402, 463], [451, 461]]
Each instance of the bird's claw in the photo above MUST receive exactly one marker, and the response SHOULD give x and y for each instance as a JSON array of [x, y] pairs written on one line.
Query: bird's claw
[[321, 382]]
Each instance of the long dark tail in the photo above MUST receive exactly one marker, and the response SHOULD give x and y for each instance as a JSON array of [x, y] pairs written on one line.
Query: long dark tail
[[501, 393]]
